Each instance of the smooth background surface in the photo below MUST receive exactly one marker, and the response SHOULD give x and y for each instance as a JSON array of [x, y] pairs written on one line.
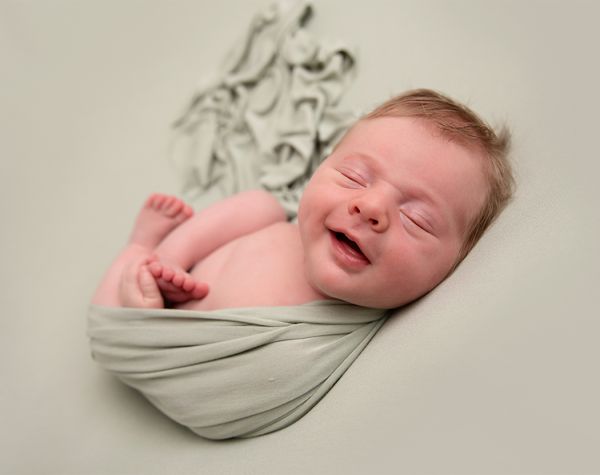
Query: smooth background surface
[[494, 372]]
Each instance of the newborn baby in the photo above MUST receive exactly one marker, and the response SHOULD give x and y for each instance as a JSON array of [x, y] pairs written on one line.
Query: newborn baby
[[385, 218]]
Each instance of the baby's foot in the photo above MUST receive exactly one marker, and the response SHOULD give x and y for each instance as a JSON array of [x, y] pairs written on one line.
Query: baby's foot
[[138, 288], [176, 285], [157, 218]]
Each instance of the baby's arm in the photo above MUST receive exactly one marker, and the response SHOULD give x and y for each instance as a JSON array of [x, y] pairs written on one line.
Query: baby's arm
[[166, 229], [218, 224]]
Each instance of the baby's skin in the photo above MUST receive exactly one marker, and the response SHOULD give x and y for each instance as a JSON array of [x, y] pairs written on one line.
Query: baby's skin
[[380, 223], [138, 287], [129, 282], [168, 239]]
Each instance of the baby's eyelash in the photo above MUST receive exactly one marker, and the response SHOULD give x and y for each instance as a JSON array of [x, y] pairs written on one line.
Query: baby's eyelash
[[416, 223], [353, 177]]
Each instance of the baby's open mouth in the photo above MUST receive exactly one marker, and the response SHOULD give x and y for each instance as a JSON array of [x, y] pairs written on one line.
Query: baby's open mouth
[[351, 247]]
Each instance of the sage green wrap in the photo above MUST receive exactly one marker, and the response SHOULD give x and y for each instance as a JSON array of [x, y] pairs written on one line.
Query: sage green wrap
[[239, 372], [269, 115]]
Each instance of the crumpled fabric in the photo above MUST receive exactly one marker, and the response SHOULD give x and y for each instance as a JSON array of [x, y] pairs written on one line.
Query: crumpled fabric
[[227, 373], [269, 116]]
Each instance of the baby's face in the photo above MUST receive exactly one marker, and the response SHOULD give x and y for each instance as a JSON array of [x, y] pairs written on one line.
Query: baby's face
[[384, 217]]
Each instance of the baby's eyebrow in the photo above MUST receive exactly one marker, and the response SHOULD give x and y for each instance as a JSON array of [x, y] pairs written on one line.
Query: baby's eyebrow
[[370, 161]]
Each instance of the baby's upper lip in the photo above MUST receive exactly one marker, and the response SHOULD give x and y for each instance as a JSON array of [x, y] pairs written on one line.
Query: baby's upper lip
[[350, 235]]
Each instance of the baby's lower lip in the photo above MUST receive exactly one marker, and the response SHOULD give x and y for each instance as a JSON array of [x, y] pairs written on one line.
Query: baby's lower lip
[[346, 255]]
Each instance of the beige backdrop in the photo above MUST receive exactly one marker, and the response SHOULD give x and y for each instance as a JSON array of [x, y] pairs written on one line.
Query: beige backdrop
[[496, 372]]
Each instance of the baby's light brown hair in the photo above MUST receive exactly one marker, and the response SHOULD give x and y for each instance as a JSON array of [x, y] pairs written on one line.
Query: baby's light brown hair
[[459, 123]]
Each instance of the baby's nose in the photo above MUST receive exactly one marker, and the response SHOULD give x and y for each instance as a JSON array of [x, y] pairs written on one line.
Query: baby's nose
[[371, 209]]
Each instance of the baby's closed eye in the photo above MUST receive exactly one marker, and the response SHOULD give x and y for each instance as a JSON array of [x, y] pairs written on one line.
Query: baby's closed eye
[[352, 178], [416, 220]]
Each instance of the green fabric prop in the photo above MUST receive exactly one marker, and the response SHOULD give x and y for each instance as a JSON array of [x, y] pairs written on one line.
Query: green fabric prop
[[265, 120], [239, 372], [269, 116]]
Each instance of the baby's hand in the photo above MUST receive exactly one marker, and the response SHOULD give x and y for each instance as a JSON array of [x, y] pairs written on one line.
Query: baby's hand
[[176, 285]]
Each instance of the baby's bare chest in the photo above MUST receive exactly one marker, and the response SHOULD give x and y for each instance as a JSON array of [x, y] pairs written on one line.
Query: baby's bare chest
[[260, 269]]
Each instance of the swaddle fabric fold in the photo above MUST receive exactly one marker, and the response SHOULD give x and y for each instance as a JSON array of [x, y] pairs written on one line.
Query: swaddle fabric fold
[[233, 372], [268, 116]]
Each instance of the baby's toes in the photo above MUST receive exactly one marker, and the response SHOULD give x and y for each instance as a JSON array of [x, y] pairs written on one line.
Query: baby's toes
[[187, 211], [178, 279], [167, 203], [173, 209], [188, 284], [200, 290], [155, 201], [167, 274], [155, 269]]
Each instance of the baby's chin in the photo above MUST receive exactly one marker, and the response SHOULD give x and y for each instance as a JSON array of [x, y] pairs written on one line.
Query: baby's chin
[[370, 302], [363, 300], [333, 283]]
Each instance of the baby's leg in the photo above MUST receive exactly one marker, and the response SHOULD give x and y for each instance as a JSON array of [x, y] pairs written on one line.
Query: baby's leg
[[157, 218], [217, 225]]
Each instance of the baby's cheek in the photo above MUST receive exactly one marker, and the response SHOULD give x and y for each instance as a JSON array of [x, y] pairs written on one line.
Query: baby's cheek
[[317, 275], [325, 278]]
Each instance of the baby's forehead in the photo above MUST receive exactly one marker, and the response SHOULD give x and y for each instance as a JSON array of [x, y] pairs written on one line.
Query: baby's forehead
[[384, 134], [414, 156], [403, 138]]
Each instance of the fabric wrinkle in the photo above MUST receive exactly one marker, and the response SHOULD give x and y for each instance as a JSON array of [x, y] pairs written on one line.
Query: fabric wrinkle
[[268, 116], [222, 380]]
